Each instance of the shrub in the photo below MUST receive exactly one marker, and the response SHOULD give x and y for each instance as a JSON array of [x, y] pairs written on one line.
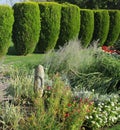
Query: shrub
[[50, 25], [101, 26], [6, 22], [26, 28], [114, 29], [70, 24], [87, 26]]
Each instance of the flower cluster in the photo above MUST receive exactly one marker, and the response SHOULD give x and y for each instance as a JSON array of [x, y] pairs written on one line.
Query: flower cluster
[[110, 49], [104, 113], [77, 105]]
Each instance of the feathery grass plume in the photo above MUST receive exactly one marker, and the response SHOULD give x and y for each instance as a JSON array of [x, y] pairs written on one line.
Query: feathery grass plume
[[70, 56]]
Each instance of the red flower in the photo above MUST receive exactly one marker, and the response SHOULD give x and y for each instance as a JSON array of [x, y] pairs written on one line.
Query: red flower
[[86, 99], [104, 48], [67, 115], [80, 99], [48, 87], [69, 104]]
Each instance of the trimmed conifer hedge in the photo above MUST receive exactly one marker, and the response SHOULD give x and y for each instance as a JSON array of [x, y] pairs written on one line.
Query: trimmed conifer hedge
[[87, 26], [101, 26], [50, 25], [114, 28], [70, 24], [26, 28], [6, 23]]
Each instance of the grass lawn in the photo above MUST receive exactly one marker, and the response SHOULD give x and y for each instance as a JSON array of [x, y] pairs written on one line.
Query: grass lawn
[[13, 59], [29, 60]]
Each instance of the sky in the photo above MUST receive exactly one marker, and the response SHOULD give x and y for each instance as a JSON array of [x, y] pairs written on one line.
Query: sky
[[8, 1]]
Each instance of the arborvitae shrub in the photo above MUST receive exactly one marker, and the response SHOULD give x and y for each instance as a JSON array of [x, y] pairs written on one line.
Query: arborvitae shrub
[[101, 26], [87, 26], [114, 28], [70, 24], [6, 23], [50, 25], [26, 28]]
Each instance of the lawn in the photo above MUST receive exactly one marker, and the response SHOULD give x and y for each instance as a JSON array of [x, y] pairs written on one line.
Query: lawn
[[31, 59]]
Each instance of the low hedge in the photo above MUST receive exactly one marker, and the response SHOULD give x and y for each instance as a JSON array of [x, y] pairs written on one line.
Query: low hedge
[[6, 23], [114, 29], [87, 26], [70, 24], [26, 28], [101, 26], [50, 25]]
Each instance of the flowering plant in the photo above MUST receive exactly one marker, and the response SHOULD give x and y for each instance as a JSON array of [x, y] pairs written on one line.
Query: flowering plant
[[105, 112], [110, 49]]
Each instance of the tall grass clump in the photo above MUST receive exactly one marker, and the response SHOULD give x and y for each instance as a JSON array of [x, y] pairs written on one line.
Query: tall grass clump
[[84, 67], [101, 26], [70, 24], [50, 25], [70, 56], [10, 116], [20, 81], [87, 26], [26, 27], [114, 29], [6, 23]]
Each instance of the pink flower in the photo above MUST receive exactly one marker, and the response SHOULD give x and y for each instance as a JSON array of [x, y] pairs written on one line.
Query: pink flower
[[48, 87]]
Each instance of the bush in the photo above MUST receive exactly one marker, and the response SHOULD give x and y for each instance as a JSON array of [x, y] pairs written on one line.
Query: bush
[[70, 24], [114, 28], [50, 25], [87, 26], [26, 28], [6, 22], [101, 25]]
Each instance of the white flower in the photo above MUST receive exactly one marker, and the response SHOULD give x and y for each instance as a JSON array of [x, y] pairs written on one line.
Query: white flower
[[112, 103]]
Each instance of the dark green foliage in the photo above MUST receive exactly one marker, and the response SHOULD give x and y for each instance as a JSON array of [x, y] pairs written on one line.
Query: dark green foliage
[[114, 28], [70, 24], [50, 25], [94, 4], [26, 28], [6, 22], [101, 26], [103, 75], [117, 44], [87, 26]]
